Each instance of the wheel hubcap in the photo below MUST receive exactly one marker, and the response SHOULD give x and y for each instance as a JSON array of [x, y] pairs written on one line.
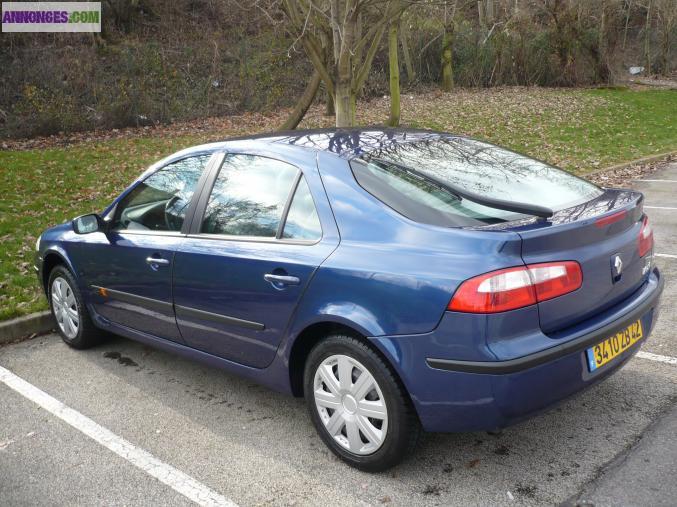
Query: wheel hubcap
[[350, 404], [65, 307]]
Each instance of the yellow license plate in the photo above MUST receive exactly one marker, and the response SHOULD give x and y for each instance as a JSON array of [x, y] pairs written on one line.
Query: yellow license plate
[[615, 345]]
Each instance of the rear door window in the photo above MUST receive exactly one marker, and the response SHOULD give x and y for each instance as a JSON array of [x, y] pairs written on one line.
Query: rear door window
[[249, 196]]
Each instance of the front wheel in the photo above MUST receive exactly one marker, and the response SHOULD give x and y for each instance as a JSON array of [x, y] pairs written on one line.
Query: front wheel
[[358, 407], [70, 313]]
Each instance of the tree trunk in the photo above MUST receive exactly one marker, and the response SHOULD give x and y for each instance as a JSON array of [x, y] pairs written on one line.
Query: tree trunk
[[481, 16], [665, 51], [447, 53], [489, 12], [329, 109], [404, 41], [666, 21], [627, 23], [345, 89], [344, 102], [301, 107], [328, 56], [603, 47], [394, 71], [647, 39]]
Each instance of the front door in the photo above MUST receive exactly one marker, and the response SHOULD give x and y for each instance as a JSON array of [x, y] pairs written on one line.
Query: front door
[[129, 269], [238, 279]]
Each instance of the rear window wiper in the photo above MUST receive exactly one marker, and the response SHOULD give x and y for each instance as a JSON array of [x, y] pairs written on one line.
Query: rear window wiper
[[461, 193]]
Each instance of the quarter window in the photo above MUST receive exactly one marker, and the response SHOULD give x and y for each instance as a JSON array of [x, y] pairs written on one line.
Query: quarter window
[[249, 196], [160, 202], [302, 220]]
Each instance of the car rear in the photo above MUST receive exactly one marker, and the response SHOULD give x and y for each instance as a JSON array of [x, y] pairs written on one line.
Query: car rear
[[577, 308]]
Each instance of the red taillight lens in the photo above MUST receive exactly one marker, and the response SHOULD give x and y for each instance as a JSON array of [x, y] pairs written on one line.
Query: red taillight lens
[[554, 279], [610, 219], [497, 291], [645, 237], [511, 288]]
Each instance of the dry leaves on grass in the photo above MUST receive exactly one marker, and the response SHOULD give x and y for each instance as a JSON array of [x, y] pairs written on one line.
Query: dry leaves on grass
[[486, 113], [208, 129], [623, 177]]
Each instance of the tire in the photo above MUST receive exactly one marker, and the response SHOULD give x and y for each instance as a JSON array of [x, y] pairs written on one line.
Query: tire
[[69, 311], [342, 411]]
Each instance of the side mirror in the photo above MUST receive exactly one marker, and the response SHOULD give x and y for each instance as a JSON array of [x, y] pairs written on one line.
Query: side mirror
[[87, 224]]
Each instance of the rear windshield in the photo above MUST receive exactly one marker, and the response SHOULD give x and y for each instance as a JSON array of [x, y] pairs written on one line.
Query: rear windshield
[[396, 175]]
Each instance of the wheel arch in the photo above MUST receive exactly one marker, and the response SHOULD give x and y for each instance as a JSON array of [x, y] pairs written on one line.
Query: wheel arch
[[51, 259], [312, 334]]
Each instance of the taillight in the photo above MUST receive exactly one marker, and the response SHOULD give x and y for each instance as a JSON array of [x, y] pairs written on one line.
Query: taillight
[[610, 219], [645, 237], [511, 288]]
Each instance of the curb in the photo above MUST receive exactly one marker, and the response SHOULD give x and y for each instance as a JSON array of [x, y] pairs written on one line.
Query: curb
[[644, 160], [26, 326]]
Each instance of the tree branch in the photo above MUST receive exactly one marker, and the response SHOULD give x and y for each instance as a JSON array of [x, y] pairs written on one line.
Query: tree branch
[[363, 73]]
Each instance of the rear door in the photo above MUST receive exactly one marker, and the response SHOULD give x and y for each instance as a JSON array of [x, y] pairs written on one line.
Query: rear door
[[249, 257], [129, 270], [602, 235]]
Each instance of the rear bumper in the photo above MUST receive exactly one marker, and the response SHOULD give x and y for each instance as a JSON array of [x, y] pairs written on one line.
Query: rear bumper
[[462, 395], [578, 344]]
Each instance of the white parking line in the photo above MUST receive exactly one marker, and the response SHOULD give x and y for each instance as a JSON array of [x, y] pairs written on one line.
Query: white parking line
[[657, 357], [167, 474], [659, 181], [659, 207], [668, 256]]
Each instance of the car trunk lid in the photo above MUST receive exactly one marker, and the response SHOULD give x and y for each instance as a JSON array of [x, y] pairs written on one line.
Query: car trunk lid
[[602, 235]]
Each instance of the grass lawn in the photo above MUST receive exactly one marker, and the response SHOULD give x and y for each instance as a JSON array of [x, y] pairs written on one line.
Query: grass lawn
[[578, 130]]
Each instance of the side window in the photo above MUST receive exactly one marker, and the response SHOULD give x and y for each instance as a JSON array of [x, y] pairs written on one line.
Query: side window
[[160, 202], [248, 197], [302, 220]]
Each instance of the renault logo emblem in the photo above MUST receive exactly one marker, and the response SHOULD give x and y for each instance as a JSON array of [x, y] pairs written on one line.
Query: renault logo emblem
[[616, 267]]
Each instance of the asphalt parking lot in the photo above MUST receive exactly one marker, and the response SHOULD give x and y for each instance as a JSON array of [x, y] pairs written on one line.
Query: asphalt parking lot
[[214, 438]]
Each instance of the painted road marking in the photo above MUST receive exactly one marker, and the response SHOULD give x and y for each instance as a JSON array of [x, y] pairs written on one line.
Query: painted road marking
[[167, 474], [657, 357], [659, 207], [668, 256], [659, 181]]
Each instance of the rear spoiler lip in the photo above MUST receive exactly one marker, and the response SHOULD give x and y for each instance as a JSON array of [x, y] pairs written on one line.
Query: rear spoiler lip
[[632, 202]]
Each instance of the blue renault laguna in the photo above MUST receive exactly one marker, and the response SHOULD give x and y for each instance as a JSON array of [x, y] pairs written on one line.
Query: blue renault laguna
[[398, 279]]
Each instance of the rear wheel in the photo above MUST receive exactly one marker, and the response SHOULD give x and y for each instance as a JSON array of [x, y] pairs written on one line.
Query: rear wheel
[[70, 313], [357, 406]]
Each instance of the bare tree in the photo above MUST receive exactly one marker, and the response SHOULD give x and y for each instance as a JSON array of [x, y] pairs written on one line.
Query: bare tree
[[353, 49]]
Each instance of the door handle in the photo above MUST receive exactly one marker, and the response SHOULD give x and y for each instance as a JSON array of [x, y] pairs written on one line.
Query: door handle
[[158, 261], [281, 279]]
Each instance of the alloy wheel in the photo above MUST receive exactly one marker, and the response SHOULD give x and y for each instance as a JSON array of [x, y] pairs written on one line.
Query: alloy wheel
[[350, 404], [65, 307]]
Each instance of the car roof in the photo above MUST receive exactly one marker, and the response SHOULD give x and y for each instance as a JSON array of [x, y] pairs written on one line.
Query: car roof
[[346, 143]]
